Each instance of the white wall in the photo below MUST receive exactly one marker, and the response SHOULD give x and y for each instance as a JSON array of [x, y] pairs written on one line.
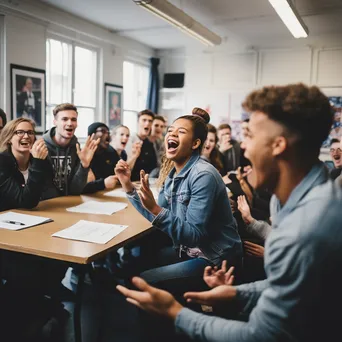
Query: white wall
[[29, 22], [219, 81]]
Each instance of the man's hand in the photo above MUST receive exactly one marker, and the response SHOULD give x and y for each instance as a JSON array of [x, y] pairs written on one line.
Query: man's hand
[[91, 176], [87, 152], [215, 277], [110, 182], [39, 149], [136, 149], [253, 249], [216, 296], [146, 195], [225, 145], [151, 299], [245, 210], [123, 173]]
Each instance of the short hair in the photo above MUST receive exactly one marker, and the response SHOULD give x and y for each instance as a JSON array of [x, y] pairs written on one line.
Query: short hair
[[64, 106], [146, 112], [159, 117], [333, 141], [3, 117], [8, 132], [224, 126], [303, 111], [116, 128]]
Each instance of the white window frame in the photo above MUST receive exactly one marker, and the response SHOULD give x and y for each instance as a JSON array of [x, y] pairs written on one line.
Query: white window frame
[[77, 43]]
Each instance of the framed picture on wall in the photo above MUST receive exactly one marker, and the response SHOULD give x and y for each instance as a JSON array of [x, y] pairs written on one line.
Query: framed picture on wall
[[28, 94], [113, 104]]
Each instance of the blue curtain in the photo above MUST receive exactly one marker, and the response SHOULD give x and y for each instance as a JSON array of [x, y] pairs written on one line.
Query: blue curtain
[[153, 87]]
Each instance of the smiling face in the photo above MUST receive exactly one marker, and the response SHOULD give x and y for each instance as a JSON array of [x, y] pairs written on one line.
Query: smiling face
[[179, 143], [145, 124], [209, 144], [262, 148], [66, 123], [121, 138], [336, 154], [23, 138], [102, 133]]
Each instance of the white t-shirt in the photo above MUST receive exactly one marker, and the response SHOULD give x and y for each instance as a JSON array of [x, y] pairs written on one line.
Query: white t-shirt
[[25, 174]]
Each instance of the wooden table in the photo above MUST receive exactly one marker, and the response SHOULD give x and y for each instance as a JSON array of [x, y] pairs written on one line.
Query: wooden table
[[38, 240]]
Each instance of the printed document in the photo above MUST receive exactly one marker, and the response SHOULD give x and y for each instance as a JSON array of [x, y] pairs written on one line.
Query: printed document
[[95, 207], [15, 221]]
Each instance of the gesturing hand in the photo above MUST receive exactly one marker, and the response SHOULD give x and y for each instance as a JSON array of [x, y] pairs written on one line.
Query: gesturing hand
[[87, 152], [225, 145], [39, 149], [151, 299], [123, 172], [146, 195], [136, 149], [215, 277], [244, 210], [254, 249], [217, 295], [110, 182]]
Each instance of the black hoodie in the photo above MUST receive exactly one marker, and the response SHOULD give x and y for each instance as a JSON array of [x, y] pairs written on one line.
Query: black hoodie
[[68, 176]]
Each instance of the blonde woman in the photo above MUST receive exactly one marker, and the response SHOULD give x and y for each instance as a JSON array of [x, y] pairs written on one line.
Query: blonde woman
[[22, 165]]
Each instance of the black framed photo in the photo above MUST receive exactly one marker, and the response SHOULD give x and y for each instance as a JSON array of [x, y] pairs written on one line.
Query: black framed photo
[[28, 94], [113, 104]]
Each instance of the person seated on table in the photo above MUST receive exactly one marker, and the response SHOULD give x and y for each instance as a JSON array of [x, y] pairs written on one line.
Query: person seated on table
[[69, 165], [193, 209], [23, 165], [105, 158]]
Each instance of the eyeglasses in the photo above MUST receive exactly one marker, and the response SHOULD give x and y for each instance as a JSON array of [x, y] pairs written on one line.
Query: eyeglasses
[[338, 150], [102, 130], [20, 133]]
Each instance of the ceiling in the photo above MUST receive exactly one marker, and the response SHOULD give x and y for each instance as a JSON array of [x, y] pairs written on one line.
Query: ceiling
[[243, 23]]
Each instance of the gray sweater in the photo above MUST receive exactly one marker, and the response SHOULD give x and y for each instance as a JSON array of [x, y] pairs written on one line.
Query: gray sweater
[[301, 299]]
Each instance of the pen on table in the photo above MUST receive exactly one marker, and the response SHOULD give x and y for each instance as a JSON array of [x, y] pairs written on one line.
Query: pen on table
[[14, 222]]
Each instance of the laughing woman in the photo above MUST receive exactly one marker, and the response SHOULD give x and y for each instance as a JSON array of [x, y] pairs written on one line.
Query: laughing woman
[[193, 209], [22, 165]]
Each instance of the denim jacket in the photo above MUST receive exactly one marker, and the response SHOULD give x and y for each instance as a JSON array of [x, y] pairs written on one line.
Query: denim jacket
[[196, 211]]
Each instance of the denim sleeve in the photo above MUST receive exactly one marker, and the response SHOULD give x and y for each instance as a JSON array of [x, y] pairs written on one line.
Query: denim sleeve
[[134, 198], [191, 229]]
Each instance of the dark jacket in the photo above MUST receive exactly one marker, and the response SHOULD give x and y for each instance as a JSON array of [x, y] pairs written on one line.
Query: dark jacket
[[231, 157], [103, 165], [14, 193], [67, 175]]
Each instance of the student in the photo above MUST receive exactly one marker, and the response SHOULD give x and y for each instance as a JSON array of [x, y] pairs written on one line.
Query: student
[[193, 208], [157, 138], [69, 164], [3, 119], [301, 299], [105, 157], [146, 159], [229, 148], [23, 168], [210, 152], [336, 155]]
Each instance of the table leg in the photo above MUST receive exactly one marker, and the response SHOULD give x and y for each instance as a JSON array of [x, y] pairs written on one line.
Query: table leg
[[78, 302]]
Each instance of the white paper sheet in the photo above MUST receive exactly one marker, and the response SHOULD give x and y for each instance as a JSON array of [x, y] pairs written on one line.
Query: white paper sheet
[[15, 221], [91, 231], [121, 194], [95, 207]]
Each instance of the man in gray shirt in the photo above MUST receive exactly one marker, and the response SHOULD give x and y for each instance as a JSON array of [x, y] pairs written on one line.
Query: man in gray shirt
[[301, 298]]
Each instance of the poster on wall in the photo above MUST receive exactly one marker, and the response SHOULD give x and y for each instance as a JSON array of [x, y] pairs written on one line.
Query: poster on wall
[[113, 104], [28, 94]]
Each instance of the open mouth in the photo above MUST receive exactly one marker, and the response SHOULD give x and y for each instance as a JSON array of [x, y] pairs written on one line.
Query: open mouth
[[172, 145], [25, 143], [123, 143], [146, 129], [337, 157], [70, 130]]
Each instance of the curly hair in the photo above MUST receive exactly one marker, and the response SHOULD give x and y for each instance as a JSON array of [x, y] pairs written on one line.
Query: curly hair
[[303, 111], [165, 168]]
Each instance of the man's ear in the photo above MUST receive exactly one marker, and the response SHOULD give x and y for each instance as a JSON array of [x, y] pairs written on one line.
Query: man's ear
[[196, 144], [279, 145]]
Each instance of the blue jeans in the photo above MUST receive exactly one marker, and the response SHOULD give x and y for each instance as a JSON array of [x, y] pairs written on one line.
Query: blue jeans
[[176, 274]]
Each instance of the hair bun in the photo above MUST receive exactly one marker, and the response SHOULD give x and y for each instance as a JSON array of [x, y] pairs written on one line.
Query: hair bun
[[202, 114]]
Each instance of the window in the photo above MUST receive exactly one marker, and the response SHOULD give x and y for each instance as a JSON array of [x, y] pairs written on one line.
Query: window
[[135, 85], [71, 76]]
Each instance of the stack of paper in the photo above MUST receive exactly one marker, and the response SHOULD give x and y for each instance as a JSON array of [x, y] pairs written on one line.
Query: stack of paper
[[91, 231], [95, 207], [120, 193], [15, 221]]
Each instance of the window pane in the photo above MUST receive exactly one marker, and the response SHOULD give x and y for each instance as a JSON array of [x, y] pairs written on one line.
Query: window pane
[[143, 75], [85, 77], [130, 119], [86, 116], [129, 86], [49, 117]]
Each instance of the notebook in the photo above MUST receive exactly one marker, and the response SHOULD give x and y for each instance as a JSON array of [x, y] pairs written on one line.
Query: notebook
[[15, 221]]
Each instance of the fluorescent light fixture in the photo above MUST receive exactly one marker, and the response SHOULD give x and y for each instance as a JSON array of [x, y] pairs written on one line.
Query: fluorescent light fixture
[[289, 15], [181, 20]]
